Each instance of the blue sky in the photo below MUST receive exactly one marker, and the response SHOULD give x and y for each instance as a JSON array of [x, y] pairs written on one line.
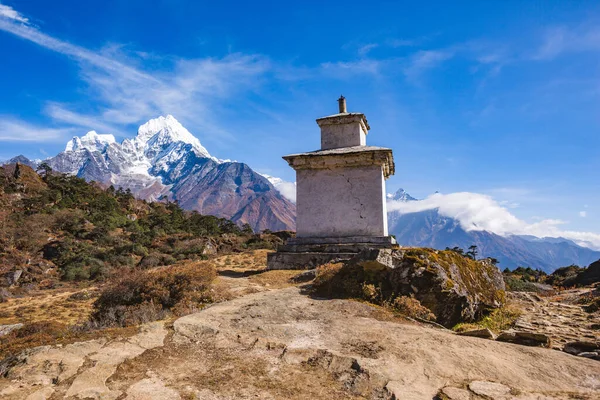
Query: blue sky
[[496, 98]]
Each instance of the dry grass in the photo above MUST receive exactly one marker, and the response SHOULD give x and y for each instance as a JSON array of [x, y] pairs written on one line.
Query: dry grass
[[56, 305], [43, 333], [275, 279], [498, 320], [252, 260]]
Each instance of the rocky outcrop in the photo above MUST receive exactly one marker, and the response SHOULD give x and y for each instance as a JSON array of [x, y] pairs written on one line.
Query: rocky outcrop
[[455, 289], [590, 275]]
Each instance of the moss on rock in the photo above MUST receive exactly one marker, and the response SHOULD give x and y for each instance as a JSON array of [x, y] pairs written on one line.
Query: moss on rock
[[455, 288]]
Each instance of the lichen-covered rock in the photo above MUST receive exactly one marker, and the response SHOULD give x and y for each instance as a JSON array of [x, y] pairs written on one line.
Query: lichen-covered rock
[[455, 288]]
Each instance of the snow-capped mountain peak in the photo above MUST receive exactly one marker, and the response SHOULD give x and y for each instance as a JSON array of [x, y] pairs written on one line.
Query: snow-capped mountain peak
[[165, 160], [163, 131], [91, 141], [400, 195]]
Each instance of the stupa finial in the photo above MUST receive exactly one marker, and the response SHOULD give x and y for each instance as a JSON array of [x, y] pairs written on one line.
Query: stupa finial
[[342, 104]]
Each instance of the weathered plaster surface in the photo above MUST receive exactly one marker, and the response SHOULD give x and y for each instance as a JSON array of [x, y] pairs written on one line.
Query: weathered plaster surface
[[343, 201], [356, 156], [343, 130]]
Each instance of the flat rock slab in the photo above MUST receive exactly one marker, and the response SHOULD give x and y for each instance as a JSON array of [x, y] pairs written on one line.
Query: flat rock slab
[[490, 390], [453, 393], [282, 343], [151, 389], [416, 361], [91, 363]]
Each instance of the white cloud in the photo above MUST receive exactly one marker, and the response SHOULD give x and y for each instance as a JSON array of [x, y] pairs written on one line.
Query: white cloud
[[583, 214], [13, 130], [287, 189], [10, 13], [481, 212]]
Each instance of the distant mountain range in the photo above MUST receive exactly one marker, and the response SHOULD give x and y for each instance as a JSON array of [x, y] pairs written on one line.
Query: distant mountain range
[[430, 229], [165, 160]]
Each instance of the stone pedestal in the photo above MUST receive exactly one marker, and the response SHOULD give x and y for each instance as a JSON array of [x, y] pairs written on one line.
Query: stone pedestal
[[310, 252], [340, 196]]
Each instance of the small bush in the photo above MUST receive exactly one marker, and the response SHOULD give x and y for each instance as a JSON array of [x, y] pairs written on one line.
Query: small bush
[[412, 308], [498, 320], [143, 296]]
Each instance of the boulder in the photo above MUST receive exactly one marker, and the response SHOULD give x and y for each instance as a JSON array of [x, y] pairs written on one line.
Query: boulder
[[480, 333], [579, 347], [455, 288], [524, 338], [13, 277]]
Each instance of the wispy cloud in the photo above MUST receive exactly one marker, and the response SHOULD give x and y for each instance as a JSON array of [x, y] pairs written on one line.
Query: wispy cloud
[[477, 212], [345, 69], [10, 13], [560, 40], [365, 49], [425, 60], [14, 130], [125, 93], [583, 214]]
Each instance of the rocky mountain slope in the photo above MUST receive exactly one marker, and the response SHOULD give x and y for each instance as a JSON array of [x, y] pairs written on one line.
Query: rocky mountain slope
[[166, 160], [430, 229]]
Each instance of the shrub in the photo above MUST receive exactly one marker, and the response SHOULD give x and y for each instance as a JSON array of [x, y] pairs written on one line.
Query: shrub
[[518, 285], [32, 335], [142, 296], [498, 320], [412, 308]]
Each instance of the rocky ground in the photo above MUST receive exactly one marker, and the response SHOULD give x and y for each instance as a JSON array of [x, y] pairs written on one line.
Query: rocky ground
[[561, 318], [272, 340]]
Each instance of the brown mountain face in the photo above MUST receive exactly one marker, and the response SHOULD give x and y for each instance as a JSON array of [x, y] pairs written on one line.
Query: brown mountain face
[[270, 211], [236, 192]]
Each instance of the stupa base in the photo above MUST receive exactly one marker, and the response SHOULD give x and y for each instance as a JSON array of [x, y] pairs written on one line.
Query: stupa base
[[309, 253]]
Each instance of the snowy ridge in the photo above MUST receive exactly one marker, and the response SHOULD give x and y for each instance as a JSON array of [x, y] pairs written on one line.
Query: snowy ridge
[[139, 163], [164, 131], [400, 195], [91, 141]]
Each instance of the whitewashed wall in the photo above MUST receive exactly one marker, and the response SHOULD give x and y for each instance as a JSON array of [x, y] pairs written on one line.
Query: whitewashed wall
[[341, 202]]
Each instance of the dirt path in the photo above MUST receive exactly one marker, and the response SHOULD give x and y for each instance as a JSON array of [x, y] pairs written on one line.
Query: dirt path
[[272, 341]]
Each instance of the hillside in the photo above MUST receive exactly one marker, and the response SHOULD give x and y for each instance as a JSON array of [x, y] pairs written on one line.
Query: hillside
[[59, 227]]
